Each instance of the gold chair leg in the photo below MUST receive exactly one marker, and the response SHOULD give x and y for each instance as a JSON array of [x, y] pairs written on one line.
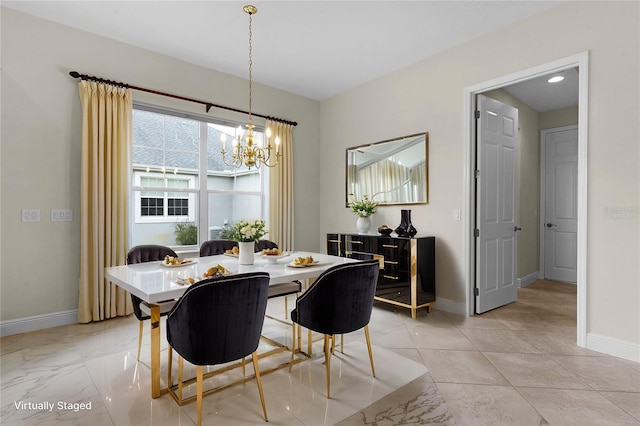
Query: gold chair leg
[[327, 361], [293, 344], [259, 380], [342, 343], [244, 363], [286, 307], [198, 393], [366, 334], [333, 344], [169, 361], [141, 328], [180, 376]]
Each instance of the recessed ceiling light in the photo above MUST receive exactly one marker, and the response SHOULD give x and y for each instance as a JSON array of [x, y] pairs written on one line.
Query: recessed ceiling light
[[555, 79]]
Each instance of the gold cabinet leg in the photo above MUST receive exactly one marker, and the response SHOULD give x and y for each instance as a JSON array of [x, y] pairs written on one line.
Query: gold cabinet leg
[[155, 350]]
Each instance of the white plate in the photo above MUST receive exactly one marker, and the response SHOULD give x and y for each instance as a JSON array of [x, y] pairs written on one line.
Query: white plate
[[293, 265], [187, 262], [274, 257], [230, 254], [183, 281]]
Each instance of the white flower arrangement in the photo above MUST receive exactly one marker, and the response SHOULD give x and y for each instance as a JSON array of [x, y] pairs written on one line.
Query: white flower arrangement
[[247, 230], [364, 207]]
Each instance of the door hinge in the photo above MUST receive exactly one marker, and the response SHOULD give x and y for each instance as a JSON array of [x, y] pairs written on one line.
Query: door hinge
[[476, 291], [477, 114], [476, 232], [476, 174]]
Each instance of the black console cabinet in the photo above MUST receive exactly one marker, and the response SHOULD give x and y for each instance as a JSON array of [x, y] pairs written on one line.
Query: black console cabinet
[[407, 266]]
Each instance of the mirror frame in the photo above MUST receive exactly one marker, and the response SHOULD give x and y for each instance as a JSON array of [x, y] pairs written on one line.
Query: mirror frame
[[348, 179]]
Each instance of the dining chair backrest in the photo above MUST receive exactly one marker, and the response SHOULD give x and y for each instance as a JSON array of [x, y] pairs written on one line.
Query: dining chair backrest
[[214, 247], [218, 320], [148, 253], [340, 300], [265, 244]]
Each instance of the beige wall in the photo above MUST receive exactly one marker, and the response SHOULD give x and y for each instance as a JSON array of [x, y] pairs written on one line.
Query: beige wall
[[559, 118], [41, 124], [428, 96]]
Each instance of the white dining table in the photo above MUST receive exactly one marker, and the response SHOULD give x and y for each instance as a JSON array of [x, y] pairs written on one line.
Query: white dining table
[[154, 282]]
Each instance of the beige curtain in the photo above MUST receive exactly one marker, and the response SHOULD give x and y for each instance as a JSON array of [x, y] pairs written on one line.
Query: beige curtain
[[281, 188], [106, 141], [386, 181]]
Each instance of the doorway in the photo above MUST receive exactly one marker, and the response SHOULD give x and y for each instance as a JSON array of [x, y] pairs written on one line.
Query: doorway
[[580, 62]]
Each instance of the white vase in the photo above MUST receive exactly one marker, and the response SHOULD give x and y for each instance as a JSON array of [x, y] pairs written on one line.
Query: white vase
[[363, 224], [246, 255]]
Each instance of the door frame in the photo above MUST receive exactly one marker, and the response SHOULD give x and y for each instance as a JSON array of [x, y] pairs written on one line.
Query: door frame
[[580, 61], [543, 192]]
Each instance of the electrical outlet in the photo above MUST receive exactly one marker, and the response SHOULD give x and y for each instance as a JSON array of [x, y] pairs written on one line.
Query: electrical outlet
[[61, 215], [31, 215]]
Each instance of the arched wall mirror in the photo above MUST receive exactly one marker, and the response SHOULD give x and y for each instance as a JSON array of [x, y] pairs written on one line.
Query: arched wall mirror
[[393, 171]]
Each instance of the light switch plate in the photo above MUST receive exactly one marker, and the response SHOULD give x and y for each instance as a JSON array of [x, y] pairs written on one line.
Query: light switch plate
[[61, 215], [456, 214], [31, 215]]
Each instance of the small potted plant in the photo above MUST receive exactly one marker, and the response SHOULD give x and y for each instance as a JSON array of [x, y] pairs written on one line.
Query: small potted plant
[[246, 233], [186, 233], [364, 208]]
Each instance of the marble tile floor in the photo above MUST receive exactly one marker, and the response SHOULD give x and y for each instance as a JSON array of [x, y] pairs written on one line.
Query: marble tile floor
[[516, 365]]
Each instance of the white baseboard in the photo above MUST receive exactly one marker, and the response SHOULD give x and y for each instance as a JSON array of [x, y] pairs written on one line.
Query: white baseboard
[[527, 279], [38, 322], [615, 347], [450, 306]]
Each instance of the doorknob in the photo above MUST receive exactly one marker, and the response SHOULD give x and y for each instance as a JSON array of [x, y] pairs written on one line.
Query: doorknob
[[516, 229], [549, 225]]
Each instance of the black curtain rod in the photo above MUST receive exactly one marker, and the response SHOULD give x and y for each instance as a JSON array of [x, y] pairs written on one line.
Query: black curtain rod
[[208, 105]]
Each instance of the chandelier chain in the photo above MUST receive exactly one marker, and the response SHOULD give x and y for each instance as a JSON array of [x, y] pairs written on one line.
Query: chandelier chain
[[250, 65]]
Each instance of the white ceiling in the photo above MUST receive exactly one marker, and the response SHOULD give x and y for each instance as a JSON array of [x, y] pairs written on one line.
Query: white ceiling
[[315, 49]]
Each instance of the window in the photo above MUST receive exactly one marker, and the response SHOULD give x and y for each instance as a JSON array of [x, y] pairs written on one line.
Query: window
[[178, 177], [162, 206]]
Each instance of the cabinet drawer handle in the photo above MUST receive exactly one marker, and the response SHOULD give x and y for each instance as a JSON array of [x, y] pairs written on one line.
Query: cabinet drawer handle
[[390, 262], [390, 277], [335, 241], [356, 242], [389, 246]]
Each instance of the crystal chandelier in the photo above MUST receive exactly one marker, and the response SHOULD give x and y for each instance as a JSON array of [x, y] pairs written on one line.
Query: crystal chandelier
[[249, 153]]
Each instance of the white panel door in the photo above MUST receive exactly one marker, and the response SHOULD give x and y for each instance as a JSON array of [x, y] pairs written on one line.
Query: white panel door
[[560, 220], [496, 204]]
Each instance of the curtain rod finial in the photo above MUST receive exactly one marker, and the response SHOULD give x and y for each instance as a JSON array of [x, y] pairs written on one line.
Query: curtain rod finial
[[74, 74]]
